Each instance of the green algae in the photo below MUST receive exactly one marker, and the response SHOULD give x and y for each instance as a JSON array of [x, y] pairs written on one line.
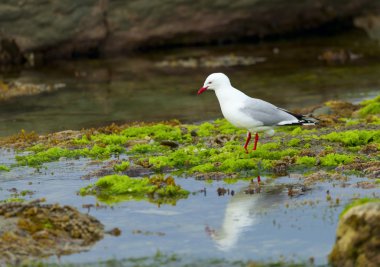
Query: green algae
[[214, 146], [207, 167], [296, 131], [294, 142], [115, 188], [12, 199], [353, 137], [306, 160], [371, 106], [206, 129], [157, 132], [229, 158], [36, 159], [358, 202], [110, 139], [335, 159], [147, 148], [4, 168], [122, 166]]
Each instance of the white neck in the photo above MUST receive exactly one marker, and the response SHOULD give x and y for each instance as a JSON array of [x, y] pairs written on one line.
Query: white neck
[[228, 93]]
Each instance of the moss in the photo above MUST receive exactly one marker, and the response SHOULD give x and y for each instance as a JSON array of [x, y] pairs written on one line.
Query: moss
[[306, 160], [4, 168], [336, 159], [121, 167], [371, 106], [354, 137], [358, 202], [115, 188]]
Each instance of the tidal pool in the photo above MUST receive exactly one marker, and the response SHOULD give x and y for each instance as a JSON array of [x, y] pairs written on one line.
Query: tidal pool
[[264, 226]]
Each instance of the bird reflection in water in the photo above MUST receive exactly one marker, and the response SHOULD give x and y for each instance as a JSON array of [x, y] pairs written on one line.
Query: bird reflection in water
[[243, 212]]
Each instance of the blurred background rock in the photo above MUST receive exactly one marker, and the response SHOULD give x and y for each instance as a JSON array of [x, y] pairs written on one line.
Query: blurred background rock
[[33, 30]]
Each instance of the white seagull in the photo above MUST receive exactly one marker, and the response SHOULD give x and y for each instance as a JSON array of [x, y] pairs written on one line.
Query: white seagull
[[255, 115]]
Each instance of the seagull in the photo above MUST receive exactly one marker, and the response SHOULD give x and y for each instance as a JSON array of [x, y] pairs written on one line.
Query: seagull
[[255, 115]]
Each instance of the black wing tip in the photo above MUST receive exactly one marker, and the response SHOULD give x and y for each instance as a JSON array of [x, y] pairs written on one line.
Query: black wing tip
[[302, 121]]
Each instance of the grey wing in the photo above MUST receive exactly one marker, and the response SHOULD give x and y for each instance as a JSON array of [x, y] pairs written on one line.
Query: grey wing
[[266, 113]]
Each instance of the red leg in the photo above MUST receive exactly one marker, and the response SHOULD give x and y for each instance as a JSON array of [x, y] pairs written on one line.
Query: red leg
[[256, 140], [247, 141]]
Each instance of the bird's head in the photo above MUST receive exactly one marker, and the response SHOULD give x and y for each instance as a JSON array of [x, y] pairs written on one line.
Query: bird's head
[[214, 82]]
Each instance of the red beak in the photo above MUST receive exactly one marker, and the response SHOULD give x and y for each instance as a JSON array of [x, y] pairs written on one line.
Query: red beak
[[200, 91]]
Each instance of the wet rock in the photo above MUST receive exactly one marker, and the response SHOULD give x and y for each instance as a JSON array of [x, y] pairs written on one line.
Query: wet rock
[[214, 176], [169, 143], [281, 167], [370, 149], [358, 237], [295, 190], [35, 230], [322, 176], [371, 169], [324, 110], [138, 171], [114, 231], [16, 89]]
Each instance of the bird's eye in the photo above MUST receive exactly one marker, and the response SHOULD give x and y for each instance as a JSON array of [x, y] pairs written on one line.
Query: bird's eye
[[209, 82]]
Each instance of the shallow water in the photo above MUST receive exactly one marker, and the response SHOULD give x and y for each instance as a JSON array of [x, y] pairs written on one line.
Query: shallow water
[[265, 226], [134, 88]]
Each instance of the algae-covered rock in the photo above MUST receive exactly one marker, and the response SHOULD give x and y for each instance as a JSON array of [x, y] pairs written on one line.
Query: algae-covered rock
[[34, 230], [358, 235], [156, 189]]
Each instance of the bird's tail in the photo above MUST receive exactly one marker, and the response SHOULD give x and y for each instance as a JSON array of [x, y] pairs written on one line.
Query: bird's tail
[[302, 120]]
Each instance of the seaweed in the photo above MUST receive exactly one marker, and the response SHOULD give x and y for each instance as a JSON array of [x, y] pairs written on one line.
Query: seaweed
[[156, 189]]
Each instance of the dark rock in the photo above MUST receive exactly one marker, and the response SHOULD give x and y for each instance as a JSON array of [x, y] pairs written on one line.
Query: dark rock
[[169, 143]]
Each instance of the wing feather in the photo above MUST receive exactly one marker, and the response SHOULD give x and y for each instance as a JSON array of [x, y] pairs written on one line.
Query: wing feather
[[266, 113]]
